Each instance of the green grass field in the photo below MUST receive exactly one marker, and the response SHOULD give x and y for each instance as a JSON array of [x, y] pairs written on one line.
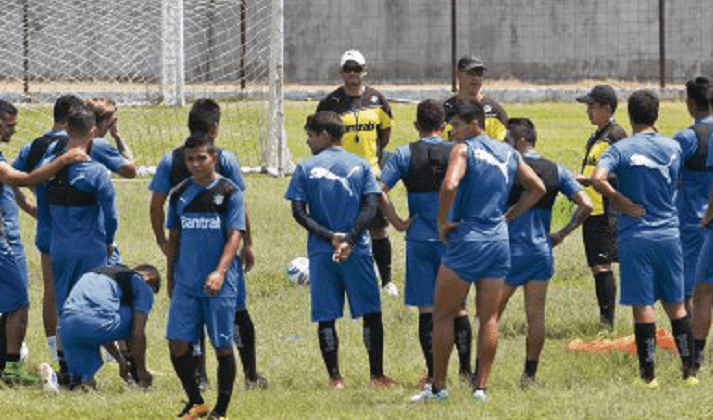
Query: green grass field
[[571, 385]]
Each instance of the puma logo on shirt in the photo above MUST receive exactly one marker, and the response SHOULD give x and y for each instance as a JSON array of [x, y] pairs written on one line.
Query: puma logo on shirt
[[486, 157], [641, 160], [327, 174]]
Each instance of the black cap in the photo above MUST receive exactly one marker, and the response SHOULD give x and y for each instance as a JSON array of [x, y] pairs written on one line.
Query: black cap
[[603, 94], [470, 62]]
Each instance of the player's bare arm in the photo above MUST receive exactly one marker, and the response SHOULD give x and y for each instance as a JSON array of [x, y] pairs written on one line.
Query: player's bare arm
[[157, 215], [387, 206], [583, 210], [174, 237], [247, 257], [15, 178], [128, 169], [24, 203], [534, 190], [601, 184], [138, 348], [457, 165], [215, 279]]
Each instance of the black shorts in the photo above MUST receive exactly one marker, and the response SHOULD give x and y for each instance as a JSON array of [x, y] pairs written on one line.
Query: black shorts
[[599, 235], [379, 221]]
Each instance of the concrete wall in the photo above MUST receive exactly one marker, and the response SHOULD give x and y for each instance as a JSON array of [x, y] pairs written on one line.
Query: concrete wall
[[535, 40]]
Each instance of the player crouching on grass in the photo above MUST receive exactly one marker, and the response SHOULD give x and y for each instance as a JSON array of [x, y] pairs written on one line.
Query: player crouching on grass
[[342, 194], [531, 243], [206, 212], [646, 166], [105, 305]]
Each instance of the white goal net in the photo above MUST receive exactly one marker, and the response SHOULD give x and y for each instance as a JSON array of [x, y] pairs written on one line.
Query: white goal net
[[153, 57]]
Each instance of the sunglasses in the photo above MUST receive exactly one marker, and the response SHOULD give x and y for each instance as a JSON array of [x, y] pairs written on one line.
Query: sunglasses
[[352, 69]]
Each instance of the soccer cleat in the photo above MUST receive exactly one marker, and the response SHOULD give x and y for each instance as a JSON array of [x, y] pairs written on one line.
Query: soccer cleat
[[337, 383], [383, 381], [428, 395], [214, 416], [260, 382], [391, 290], [690, 381], [14, 374], [641, 383], [479, 395], [194, 411]]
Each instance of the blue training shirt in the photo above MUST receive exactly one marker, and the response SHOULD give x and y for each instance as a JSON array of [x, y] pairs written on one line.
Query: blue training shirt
[[204, 215], [647, 166], [483, 191], [694, 187], [11, 224], [528, 232], [99, 295], [333, 183], [229, 167], [422, 206]]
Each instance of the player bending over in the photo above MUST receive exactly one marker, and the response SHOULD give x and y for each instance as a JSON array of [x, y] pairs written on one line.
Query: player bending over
[[338, 245], [531, 243], [646, 166], [108, 304], [472, 221], [14, 298], [206, 212]]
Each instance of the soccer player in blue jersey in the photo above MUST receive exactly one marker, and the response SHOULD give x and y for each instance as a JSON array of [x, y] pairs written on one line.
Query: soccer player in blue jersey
[[206, 212], [338, 245], [204, 117], [14, 299], [531, 242], [31, 156], [421, 166], [646, 166], [105, 305], [694, 183], [472, 221]]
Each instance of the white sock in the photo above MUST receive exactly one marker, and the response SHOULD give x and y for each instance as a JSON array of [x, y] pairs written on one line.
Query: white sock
[[52, 343]]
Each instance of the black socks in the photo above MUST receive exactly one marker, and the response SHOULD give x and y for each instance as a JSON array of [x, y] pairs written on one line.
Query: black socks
[[185, 369], [463, 340], [381, 249], [244, 337], [373, 331], [606, 296], [683, 335], [425, 337], [329, 346], [645, 335], [226, 378]]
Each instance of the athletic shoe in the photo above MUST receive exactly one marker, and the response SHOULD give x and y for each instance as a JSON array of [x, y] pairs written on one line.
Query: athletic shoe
[[652, 384], [194, 411], [479, 395], [383, 381], [337, 383], [214, 416], [690, 381], [391, 290], [259, 383], [14, 373], [428, 395]]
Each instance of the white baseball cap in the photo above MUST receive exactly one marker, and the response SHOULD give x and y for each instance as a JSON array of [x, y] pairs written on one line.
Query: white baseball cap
[[353, 55]]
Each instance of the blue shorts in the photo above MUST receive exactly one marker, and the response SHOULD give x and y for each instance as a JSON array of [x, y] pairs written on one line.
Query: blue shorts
[[82, 335], [692, 238], [188, 314], [13, 283], [704, 268], [529, 267], [422, 262], [651, 269], [328, 282], [473, 261], [68, 268]]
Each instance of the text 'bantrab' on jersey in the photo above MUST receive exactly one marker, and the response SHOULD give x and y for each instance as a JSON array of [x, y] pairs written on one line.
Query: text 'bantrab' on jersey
[[646, 166], [172, 170], [596, 145], [483, 191], [80, 205], [694, 183], [496, 118], [333, 184], [362, 121], [204, 216], [528, 232], [421, 166]]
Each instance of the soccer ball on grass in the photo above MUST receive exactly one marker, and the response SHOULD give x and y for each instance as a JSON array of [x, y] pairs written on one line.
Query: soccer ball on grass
[[298, 271]]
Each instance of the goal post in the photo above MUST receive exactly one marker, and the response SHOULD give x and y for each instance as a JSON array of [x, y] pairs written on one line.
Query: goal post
[[153, 58]]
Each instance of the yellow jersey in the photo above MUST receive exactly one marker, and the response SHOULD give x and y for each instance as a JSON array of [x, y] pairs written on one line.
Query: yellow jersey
[[496, 118], [596, 145]]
